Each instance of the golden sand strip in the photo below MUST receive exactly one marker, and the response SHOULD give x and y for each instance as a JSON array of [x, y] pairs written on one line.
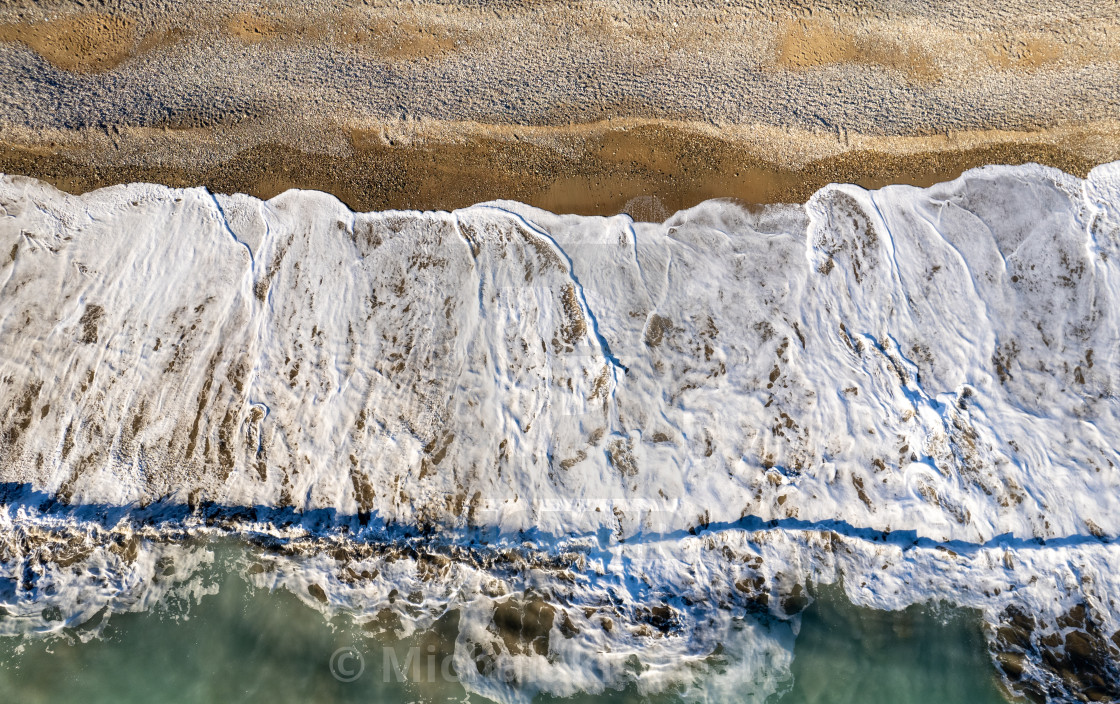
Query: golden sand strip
[[646, 167]]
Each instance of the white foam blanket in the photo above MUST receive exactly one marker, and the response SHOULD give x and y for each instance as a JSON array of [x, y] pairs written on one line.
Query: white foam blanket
[[911, 390]]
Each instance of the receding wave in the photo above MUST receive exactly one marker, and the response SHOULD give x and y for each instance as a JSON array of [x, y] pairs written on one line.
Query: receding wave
[[599, 442]]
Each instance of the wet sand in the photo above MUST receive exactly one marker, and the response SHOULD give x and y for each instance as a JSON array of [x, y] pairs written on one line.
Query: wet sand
[[648, 171]]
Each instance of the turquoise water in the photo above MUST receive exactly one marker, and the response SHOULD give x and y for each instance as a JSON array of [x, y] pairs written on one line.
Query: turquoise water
[[252, 645], [848, 655]]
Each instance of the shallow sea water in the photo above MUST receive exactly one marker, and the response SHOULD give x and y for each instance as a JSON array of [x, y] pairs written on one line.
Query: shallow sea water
[[923, 654], [245, 644]]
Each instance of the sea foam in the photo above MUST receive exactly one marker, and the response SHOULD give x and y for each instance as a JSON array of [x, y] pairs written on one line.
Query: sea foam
[[652, 436]]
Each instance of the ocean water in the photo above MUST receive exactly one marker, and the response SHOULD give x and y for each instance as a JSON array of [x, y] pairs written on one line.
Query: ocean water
[[244, 644], [566, 455], [923, 654]]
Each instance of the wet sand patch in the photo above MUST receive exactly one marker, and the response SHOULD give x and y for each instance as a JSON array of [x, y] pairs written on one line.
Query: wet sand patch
[[410, 39], [648, 170], [1029, 53], [399, 37], [87, 43], [807, 45], [253, 28]]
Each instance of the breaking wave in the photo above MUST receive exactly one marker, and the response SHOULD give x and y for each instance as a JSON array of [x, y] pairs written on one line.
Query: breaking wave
[[595, 440]]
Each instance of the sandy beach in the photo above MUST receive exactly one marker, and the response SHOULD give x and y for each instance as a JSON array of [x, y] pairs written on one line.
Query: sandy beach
[[598, 108]]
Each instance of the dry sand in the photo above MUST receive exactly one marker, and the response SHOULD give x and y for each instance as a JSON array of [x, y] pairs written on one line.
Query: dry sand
[[590, 107]]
